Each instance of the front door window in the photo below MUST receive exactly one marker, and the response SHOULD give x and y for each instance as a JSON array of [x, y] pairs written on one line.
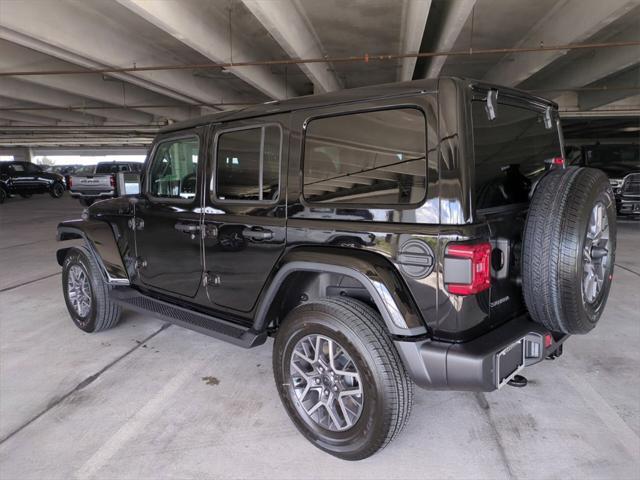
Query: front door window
[[174, 169]]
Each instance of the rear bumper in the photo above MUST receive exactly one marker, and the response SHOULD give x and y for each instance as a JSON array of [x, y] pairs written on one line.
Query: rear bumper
[[91, 194], [473, 365]]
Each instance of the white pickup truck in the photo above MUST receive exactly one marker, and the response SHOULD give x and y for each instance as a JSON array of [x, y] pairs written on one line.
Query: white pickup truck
[[101, 184]]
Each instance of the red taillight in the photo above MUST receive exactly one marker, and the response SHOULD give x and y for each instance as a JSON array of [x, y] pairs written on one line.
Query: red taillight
[[469, 268], [113, 181], [69, 182], [548, 340], [558, 161]]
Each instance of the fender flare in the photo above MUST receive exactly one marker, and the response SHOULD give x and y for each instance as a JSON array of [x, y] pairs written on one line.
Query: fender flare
[[385, 286], [100, 240]]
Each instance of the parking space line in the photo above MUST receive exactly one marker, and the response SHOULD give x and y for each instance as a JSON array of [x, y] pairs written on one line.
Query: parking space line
[[627, 269], [135, 424], [625, 435], [87, 381], [13, 287]]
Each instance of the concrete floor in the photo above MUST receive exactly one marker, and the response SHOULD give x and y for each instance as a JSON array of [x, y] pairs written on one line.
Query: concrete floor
[[148, 401]]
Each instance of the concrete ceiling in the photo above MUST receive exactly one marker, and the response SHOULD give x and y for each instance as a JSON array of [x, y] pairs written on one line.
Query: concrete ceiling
[[86, 35]]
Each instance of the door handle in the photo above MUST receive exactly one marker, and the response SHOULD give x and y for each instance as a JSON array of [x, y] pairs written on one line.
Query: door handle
[[257, 234], [187, 227]]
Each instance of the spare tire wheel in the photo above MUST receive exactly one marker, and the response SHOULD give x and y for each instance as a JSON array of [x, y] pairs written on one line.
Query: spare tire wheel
[[569, 249]]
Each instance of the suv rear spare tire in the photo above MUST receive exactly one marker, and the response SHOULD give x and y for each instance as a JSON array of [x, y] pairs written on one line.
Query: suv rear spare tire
[[569, 249]]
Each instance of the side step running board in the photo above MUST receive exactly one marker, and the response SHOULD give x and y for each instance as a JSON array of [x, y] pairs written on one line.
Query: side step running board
[[214, 327]]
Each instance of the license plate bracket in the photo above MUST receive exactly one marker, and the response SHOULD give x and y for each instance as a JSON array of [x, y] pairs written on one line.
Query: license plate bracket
[[509, 362]]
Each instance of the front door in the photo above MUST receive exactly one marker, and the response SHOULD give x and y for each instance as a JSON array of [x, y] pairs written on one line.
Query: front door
[[167, 216], [24, 177], [244, 214]]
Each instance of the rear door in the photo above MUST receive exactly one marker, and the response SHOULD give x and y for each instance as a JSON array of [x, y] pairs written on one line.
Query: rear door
[[512, 153], [167, 216], [244, 214]]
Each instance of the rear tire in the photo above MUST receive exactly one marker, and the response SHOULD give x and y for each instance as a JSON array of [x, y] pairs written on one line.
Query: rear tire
[[360, 423], [569, 249], [81, 277], [3, 195]]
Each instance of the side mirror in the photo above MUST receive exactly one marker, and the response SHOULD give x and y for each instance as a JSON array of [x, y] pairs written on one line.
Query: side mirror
[[127, 183]]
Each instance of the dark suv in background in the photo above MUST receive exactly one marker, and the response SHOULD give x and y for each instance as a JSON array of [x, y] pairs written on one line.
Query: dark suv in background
[[26, 178], [422, 233], [621, 163]]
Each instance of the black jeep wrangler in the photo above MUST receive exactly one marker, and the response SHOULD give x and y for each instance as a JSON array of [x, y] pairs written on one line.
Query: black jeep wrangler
[[422, 233]]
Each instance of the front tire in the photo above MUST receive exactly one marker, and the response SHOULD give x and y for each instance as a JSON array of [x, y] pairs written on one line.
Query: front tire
[[86, 293], [3, 195], [57, 190], [340, 378]]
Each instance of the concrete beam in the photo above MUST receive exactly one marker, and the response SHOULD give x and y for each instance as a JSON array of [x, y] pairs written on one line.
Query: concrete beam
[[590, 66], [30, 92], [93, 87], [286, 21], [414, 19], [19, 154], [628, 103], [27, 118], [458, 11], [111, 46], [41, 110], [208, 35], [569, 21], [588, 100]]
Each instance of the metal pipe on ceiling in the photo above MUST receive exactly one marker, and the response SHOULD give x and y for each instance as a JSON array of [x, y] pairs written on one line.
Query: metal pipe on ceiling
[[245, 104], [366, 58]]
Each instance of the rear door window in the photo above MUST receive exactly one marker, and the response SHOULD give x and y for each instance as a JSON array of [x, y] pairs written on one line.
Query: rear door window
[[366, 158], [510, 153], [248, 164]]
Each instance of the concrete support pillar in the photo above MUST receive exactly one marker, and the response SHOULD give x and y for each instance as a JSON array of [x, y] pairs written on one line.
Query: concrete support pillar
[[22, 154]]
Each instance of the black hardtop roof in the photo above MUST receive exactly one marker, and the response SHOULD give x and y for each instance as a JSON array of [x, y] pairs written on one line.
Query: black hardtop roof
[[387, 90]]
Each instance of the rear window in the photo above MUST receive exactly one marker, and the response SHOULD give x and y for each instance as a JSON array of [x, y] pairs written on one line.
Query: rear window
[[510, 153], [112, 167], [366, 158]]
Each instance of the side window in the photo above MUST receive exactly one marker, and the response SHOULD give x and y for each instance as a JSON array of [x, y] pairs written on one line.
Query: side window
[[510, 153], [248, 164], [173, 172], [366, 158], [17, 167]]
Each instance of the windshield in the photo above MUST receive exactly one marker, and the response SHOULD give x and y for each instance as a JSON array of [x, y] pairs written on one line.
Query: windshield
[[112, 167], [86, 170]]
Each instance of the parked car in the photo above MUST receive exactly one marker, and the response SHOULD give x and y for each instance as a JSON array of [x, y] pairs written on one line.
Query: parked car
[[412, 233], [616, 160], [26, 178], [100, 184], [629, 195]]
